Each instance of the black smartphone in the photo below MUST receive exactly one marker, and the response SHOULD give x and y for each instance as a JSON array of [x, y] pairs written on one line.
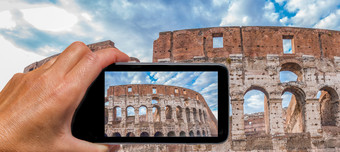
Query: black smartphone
[[156, 103]]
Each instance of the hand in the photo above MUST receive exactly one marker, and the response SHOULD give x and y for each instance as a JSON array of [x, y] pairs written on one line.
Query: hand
[[36, 108]]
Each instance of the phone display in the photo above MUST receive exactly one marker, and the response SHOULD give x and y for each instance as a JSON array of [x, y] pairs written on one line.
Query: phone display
[[155, 103], [161, 104]]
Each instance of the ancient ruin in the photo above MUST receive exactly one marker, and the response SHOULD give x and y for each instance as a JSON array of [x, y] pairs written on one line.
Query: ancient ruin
[[157, 111], [255, 56]]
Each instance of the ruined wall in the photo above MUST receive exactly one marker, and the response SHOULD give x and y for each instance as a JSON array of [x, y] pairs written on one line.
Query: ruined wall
[[182, 111], [255, 58]]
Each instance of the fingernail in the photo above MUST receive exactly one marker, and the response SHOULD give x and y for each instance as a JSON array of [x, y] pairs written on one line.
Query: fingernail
[[103, 148]]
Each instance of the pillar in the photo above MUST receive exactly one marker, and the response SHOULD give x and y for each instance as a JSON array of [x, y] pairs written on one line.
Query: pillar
[[184, 116], [162, 114], [150, 115], [110, 116], [173, 114], [312, 117], [136, 115], [191, 116], [237, 128], [275, 117], [123, 115]]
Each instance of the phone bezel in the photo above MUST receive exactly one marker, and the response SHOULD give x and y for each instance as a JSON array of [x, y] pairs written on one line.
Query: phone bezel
[[88, 122]]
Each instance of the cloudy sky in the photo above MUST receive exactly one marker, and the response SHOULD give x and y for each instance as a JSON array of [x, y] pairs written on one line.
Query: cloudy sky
[[204, 83], [31, 30]]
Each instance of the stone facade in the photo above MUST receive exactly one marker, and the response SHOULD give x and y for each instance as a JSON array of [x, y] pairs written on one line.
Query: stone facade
[[255, 58], [169, 111]]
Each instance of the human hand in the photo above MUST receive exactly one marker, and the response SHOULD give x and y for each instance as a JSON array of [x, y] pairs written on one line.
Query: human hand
[[36, 108]]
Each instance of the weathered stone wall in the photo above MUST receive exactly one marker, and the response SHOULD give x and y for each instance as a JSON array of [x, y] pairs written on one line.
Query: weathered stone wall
[[182, 112], [255, 58]]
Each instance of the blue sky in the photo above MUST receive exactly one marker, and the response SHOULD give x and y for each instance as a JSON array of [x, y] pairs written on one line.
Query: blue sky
[[204, 83], [31, 30]]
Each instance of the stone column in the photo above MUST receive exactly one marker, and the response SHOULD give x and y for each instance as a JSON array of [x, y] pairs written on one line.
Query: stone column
[[149, 113], [136, 116], [275, 116], [174, 115], [197, 115], [163, 118], [338, 114], [237, 128], [191, 115], [312, 117], [123, 115], [184, 116], [110, 116]]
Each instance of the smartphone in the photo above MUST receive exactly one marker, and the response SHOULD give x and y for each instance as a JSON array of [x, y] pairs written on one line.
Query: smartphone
[[155, 103]]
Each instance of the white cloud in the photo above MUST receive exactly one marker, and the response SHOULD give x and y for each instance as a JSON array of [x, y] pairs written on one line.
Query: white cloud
[[255, 101], [50, 18], [332, 21], [308, 13], [286, 97], [13, 60], [6, 20]]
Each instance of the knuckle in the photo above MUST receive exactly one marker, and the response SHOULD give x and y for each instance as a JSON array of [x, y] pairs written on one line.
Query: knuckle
[[91, 57], [79, 43]]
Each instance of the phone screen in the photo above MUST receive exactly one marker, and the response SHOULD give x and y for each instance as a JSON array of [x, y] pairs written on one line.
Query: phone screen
[[161, 104]]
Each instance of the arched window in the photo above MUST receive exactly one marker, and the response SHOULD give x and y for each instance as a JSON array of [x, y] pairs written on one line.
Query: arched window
[[179, 113], [171, 134], [156, 112], [168, 112], [143, 114]]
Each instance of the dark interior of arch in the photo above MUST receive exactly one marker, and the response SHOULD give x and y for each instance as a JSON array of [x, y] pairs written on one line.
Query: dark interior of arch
[[329, 105]]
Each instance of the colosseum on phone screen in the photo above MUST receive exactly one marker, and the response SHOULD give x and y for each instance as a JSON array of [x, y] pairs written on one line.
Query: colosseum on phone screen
[[161, 104]]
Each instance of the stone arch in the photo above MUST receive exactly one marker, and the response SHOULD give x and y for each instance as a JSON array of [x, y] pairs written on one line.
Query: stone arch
[[130, 114], [204, 116], [203, 133], [194, 111], [191, 134], [179, 113], [168, 112], [182, 134], [294, 67], [116, 134], [198, 133], [295, 113], [156, 112], [117, 115], [130, 134], [154, 100], [187, 113], [329, 106], [143, 113], [171, 134], [200, 115], [248, 126], [159, 134], [144, 134]]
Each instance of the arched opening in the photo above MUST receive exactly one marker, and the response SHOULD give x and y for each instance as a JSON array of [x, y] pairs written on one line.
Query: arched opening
[[156, 112], [159, 134], [117, 115], [290, 71], [130, 114], [194, 111], [179, 113], [293, 115], [187, 112], [191, 134], [143, 114], [168, 112], [203, 133], [171, 134], [116, 134], [182, 134], [329, 106], [144, 134], [130, 134], [106, 115], [200, 114], [204, 116], [255, 109], [198, 133], [154, 101]]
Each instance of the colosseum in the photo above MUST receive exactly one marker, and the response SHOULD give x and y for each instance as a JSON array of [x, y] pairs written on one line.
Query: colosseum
[[255, 57], [157, 111]]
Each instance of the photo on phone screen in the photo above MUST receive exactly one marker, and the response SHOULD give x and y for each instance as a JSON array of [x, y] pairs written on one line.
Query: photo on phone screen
[[161, 103]]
